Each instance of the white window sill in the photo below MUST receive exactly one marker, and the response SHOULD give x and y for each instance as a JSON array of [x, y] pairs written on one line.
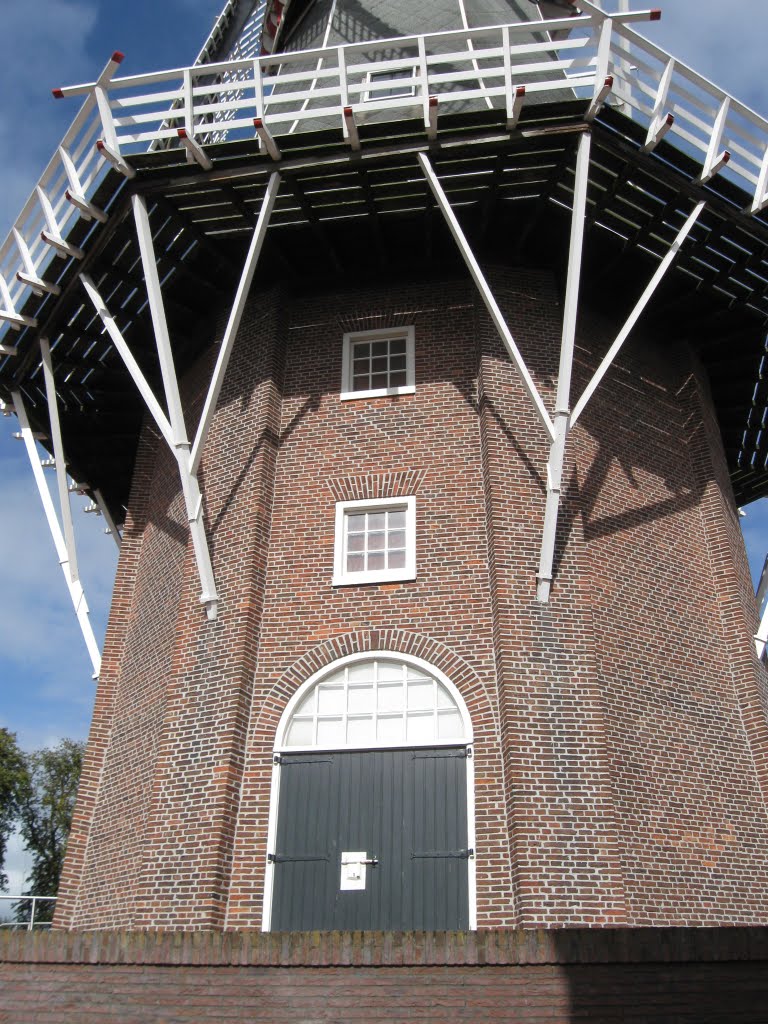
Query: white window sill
[[385, 576], [406, 389]]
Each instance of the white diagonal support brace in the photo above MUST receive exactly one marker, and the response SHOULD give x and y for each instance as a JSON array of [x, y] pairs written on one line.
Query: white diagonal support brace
[[486, 295], [634, 316], [233, 324], [180, 445], [64, 553], [59, 458], [562, 406], [127, 356]]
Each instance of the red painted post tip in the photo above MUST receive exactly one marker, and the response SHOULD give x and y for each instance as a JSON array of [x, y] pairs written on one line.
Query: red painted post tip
[[257, 122], [433, 101], [182, 133], [347, 111], [117, 57], [609, 82], [656, 14], [520, 90], [670, 119], [100, 145], [58, 94], [726, 157]]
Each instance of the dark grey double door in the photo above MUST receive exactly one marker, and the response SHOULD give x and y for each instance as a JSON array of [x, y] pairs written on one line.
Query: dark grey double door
[[406, 809]]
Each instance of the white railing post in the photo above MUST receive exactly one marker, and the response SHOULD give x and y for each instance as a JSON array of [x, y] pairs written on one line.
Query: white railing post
[[716, 158], [603, 80], [424, 80]]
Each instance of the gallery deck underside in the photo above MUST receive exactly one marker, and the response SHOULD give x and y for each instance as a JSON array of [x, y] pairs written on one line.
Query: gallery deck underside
[[344, 217]]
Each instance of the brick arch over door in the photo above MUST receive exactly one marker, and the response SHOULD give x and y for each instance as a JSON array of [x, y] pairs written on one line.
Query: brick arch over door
[[495, 904]]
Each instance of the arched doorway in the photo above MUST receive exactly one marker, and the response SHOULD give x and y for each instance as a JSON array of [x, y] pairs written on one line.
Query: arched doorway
[[371, 821]]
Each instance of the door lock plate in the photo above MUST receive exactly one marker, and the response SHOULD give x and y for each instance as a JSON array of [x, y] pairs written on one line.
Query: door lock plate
[[354, 866]]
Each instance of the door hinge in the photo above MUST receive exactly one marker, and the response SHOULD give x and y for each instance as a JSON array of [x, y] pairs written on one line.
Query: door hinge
[[443, 854], [284, 858], [464, 752]]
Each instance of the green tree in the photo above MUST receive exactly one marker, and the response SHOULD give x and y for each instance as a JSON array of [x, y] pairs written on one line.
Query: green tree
[[45, 816], [14, 783]]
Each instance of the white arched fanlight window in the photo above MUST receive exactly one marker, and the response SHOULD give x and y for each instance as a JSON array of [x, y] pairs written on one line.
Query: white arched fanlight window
[[375, 700]]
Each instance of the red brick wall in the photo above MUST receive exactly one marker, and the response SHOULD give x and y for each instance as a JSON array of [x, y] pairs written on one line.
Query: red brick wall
[[605, 977], [619, 730]]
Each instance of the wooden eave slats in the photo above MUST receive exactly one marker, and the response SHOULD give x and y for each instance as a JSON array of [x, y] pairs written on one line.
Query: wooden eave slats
[[513, 195]]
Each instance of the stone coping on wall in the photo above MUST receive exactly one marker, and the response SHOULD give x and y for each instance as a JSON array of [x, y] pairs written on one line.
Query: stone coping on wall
[[485, 948]]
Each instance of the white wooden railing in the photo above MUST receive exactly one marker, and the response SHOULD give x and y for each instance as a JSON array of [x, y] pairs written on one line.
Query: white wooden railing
[[448, 71]]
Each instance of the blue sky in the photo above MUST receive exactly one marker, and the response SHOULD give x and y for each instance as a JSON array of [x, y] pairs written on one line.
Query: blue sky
[[46, 688]]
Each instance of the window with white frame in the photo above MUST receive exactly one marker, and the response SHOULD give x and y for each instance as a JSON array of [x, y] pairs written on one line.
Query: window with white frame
[[375, 541], [388, 84], [378, 363], [376, 702]]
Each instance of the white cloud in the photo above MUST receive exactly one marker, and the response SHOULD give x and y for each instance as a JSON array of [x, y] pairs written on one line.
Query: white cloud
[[41, 46], [723, 42]]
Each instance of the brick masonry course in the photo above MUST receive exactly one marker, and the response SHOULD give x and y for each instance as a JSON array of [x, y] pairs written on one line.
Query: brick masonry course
[[605, 976], [620, 730]]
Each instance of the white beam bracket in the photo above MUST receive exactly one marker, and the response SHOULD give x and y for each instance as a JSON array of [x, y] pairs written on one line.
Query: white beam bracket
[[267, 139], [195, 152]]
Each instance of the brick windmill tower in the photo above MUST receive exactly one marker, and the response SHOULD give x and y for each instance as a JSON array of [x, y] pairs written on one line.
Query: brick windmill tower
[[419, 350]]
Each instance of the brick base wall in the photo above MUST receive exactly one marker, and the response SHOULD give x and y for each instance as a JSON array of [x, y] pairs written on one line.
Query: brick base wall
[[681, 975]]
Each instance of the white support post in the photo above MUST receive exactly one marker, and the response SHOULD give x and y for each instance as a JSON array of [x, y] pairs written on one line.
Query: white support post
[[634, 316], [603, 80], [189, 117], [716, 159], [233, 324], [63, 552], [660, 122], [258, 89], [341, 63], [109, 145], [53, 236], [29, 275], [424, 79], [8, 310], [75, 194], [486, 295], [760, 200], [180, 445], [562, 405], [127, 356]]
